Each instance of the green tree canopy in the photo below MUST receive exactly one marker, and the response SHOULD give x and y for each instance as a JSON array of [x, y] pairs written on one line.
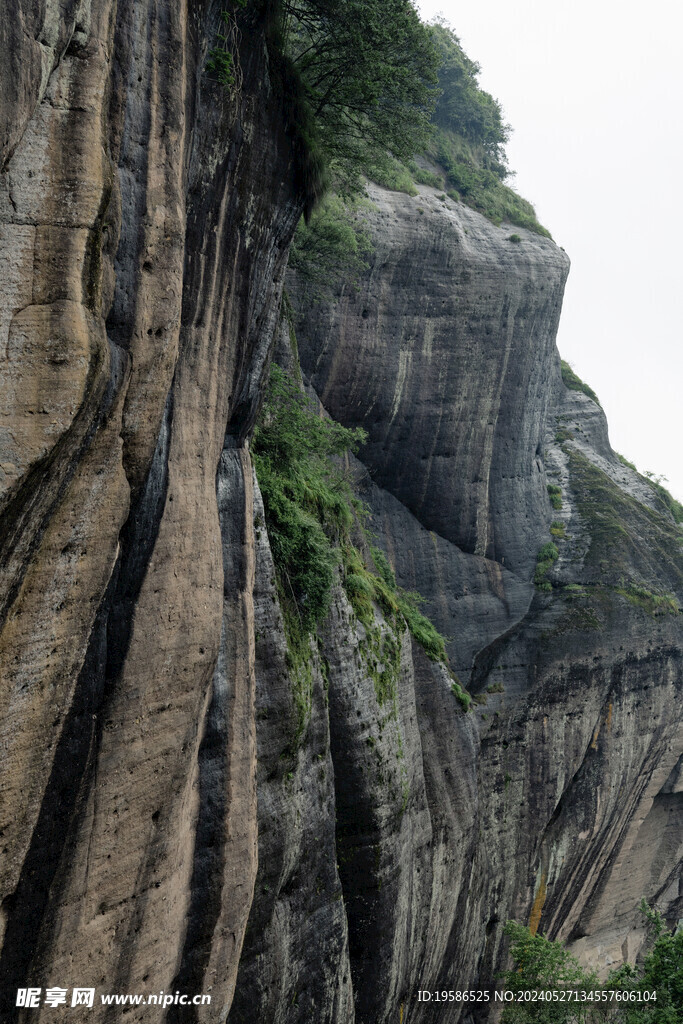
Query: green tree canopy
[[333, 245], [543, 965], [368, 73], [463, 107]]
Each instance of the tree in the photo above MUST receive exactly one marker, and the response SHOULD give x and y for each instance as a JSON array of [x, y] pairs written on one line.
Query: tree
[[463, 107], [367, 72], [543, 965], [661, 972]]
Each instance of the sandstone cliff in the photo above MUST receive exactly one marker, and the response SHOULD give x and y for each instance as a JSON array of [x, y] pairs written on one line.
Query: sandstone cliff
[[146, 215], [169, 818]]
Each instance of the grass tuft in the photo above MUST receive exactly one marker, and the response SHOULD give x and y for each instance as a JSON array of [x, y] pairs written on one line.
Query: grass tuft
[[572, 381], [555, 495], [545, 559]]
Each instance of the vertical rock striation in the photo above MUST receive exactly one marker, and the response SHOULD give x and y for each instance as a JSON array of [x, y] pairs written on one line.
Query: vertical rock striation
[[186, 805], [443, 355], [146, 213], [564, 812]]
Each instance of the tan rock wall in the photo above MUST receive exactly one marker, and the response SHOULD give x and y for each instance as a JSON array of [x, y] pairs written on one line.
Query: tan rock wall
[[145, 214]]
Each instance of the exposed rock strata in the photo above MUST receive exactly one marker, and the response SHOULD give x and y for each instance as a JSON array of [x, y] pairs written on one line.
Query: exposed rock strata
[[579, 720], [443, 354], [157, 739], [146, 216], [295, 964]]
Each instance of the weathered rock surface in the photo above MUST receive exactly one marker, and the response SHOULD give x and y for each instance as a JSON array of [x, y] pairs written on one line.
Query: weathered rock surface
[[295, 962], [471, 599], [443, 354], [146, 213], [571, 814], [185, 806]]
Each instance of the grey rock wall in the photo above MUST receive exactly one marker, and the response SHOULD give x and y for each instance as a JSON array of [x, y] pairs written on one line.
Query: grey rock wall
[[295, 962], [443, 354], [561, 809]]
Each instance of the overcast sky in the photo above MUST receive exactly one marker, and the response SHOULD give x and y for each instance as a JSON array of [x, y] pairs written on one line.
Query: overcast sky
[[593, 92]]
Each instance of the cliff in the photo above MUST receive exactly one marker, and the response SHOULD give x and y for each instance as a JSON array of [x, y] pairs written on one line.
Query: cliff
[[146, 215], [553, 801], [185, 805]]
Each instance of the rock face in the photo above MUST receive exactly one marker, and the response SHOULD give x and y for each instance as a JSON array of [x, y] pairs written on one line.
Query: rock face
[[185, 807], [562, 811], [146, 213], [443, 354]]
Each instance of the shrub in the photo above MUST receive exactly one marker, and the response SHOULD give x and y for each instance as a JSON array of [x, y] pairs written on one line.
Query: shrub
[[474, 179], [310, 514], [424, 631], [424, 177], [540, 964], [306, 498], [333, 245], [545, 559], [548, 552], [545, 966], [383, 567], [221, 62], [515, 238], [392, 174], [462, 696], [625, 462], [574, 383], [661, 972], [222, 65], [365, 589], [555, 495]]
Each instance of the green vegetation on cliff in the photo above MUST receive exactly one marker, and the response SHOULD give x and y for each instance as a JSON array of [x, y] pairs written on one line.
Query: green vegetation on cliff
[[306, 497], [479, 186], [314, 526], [307, 508], [631, 545], [572, 381], [545, 559], [667, 500], [469, 138], [359, 82], [333, 245], [555, 496], [365, 72], [463, 107], [467, 143], [543, 966], [367, 586]]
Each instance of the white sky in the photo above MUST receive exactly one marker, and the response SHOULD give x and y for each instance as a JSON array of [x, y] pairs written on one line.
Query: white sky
[[594, 93]]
